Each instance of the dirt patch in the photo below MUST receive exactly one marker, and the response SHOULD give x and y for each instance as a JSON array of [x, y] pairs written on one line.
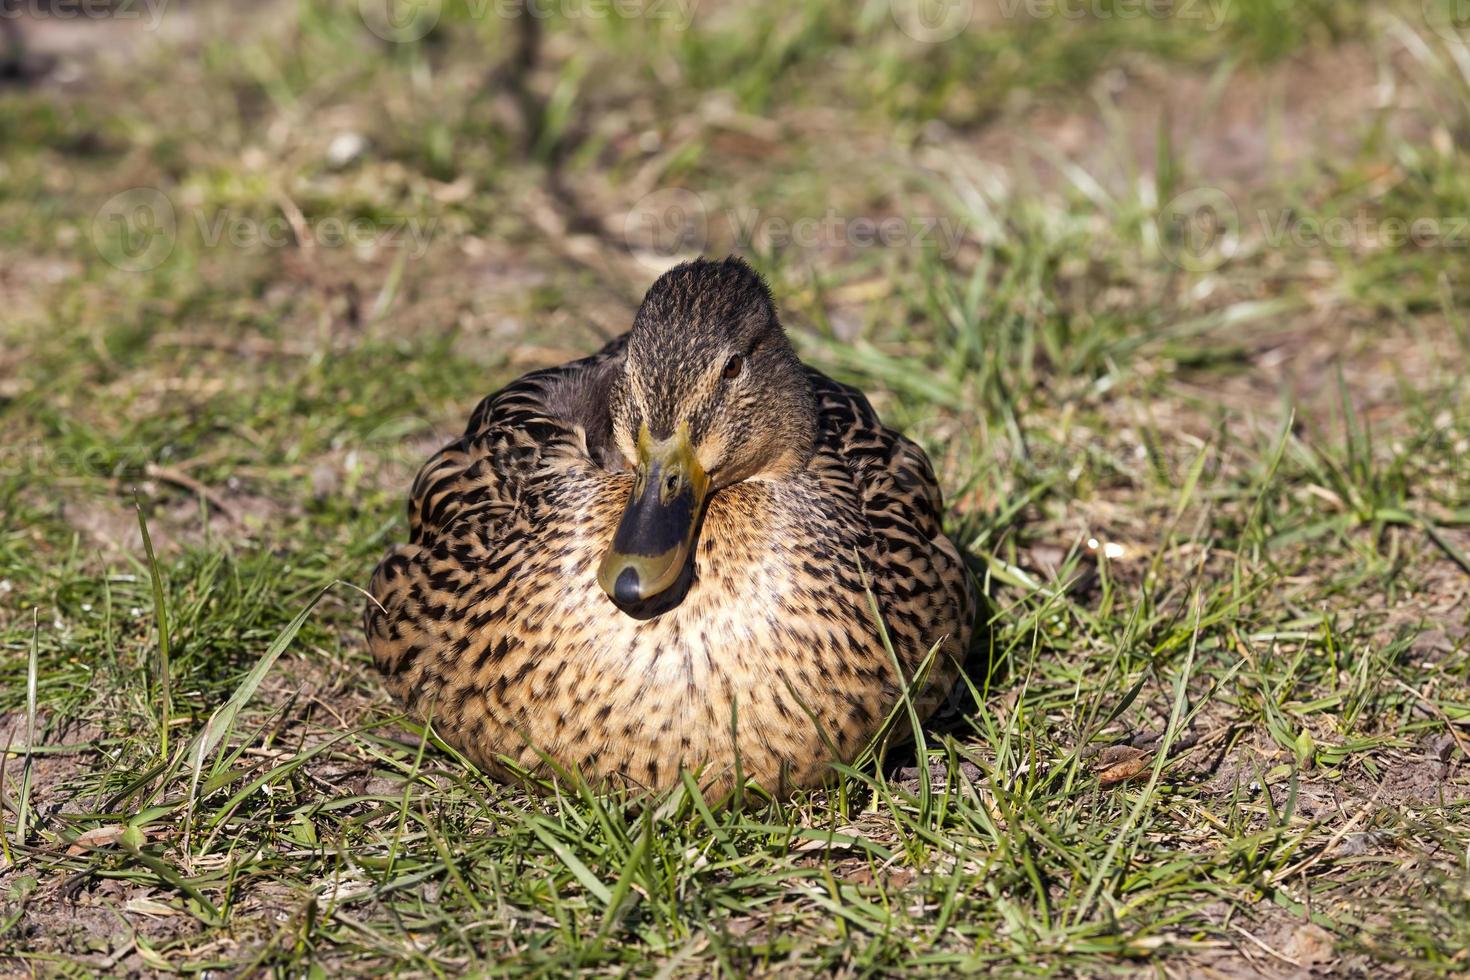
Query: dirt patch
[[1300, 360], [1260, 125], [61, 41], [24, 282], [1358, 805], [178, 516], [71, 752], [1277, 945], [1435, 776]]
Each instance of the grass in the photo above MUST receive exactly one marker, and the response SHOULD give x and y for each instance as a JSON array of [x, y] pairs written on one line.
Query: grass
[[1217, 494]]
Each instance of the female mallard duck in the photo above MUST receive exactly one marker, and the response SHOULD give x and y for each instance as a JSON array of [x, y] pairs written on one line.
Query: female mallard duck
[[659, 557]]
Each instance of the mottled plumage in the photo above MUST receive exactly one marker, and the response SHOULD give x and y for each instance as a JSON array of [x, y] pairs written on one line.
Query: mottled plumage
[[492, 620]]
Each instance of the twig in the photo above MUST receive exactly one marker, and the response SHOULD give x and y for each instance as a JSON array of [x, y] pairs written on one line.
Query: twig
[[1280, 956], [168, 474], [1445, 544]]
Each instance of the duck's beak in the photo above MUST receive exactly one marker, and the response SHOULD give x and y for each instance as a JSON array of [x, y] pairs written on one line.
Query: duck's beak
[[657, 529]]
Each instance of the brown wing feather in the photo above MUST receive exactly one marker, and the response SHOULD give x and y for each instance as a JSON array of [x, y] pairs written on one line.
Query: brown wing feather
[[464, 496], [921, 584], [545, 413]]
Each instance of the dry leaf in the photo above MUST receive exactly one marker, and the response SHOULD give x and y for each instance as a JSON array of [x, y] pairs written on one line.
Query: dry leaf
[[1311, 944], [816, 844], [96, 837], [1120, 763], [148, 906]]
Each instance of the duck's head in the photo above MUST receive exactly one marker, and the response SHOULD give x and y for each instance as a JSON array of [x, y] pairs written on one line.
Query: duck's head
[[711, 394]]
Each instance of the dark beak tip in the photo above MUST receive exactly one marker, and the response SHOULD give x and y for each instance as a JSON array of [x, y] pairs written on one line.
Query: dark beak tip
[[627, 589]]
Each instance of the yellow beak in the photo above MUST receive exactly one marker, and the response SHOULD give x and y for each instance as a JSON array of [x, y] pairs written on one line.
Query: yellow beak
[[654, 537]]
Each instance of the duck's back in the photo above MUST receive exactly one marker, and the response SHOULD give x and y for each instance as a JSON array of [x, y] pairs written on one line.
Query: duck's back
[[491, 618]]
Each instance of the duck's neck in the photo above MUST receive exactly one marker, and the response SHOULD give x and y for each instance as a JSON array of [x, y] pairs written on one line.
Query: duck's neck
[[796, 426]]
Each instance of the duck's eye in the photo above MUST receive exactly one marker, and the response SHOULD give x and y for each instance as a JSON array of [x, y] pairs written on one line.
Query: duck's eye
[[733, 367]]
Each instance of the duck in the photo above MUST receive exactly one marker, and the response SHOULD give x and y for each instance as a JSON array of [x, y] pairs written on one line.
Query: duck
[[688, 552]]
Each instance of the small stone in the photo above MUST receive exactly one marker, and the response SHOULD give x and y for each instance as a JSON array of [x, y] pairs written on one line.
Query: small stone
[[346, 149]]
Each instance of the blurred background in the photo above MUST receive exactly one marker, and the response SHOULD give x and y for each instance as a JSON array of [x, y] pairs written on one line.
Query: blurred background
[[1172, 291], [331, 224], [276, 251], [326, 222]]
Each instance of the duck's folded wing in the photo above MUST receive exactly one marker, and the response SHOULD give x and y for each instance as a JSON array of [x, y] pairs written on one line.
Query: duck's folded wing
[[922, 586], [556, 413], [468, 505]]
